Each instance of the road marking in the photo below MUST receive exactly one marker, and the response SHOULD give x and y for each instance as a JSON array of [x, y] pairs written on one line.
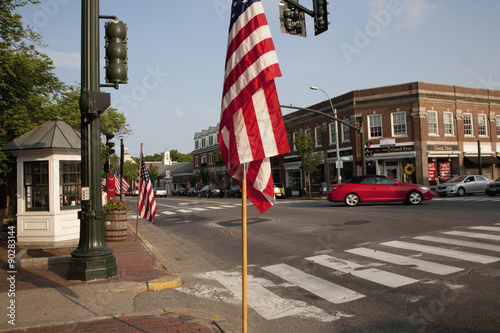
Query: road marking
[[168, 212], [327, 290], [485, 228], [443, 252], [227, 206], [212, 207], [198, 209], [263, 301], [184, 211], [483, 246], [371, 274], [472, 235], [422, 265]]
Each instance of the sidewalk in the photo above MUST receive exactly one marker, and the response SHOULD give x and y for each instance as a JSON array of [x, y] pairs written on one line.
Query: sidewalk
[[45, 301]]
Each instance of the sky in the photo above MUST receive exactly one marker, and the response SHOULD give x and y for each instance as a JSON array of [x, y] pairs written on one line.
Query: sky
[[177, 48]]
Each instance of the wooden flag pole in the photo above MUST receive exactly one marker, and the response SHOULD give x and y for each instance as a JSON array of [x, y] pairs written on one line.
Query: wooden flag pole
[[244, 247], [138, 196]]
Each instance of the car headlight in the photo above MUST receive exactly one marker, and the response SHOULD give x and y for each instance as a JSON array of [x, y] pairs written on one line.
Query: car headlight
[[423, 188]]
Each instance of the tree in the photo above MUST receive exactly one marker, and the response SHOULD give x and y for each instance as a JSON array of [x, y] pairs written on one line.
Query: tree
[[180, 157], [309, 160], [27, 82], [153, 173]]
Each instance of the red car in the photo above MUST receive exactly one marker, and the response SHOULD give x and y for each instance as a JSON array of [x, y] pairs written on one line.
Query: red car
[[378, 189]]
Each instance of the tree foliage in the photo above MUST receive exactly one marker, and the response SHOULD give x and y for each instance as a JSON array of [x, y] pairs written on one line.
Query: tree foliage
[[310, 160]]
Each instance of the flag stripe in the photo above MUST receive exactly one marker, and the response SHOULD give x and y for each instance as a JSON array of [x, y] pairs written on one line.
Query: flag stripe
[[147, 203]]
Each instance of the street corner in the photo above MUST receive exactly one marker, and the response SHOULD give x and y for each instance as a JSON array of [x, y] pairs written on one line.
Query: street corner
[[164, 282]]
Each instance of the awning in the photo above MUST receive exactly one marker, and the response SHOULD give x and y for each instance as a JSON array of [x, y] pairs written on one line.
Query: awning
[[484, 159]]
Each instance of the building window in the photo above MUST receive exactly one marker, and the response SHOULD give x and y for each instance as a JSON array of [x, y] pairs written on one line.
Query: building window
[[498, 125], [345, 133], [197, 161], [295, 136], [317, 136], [308, 132], [203, 142], [448, 123], [216, 138], [399, 124], [432, 123], [36, 185], [210, 158], [211, 140], [481, 123], [333, 132], [468, 124], [203, 159], [375, 123], [196, 144], [70, 180]]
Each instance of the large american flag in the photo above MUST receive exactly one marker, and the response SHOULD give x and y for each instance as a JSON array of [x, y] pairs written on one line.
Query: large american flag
[[125, 184], [251, 126], [147, 202]]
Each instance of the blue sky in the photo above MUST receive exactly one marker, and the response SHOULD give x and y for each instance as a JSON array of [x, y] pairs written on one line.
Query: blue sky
[[176, 54]]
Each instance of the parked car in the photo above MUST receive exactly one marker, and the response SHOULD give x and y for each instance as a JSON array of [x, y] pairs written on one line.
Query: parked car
[[160, 192], [493, 188], [192, 192], [179, 191], [210, 191], [235, 191], [462, 185], [378, 189], [134, 192], [279, 191]]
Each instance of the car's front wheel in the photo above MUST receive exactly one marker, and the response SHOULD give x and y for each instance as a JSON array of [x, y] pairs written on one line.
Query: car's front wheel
[[461, 192], [352, 199], [414, 198]]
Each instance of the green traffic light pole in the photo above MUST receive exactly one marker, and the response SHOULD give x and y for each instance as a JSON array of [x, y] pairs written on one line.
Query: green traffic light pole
[[358, 129], [302, 8], [93, 259]]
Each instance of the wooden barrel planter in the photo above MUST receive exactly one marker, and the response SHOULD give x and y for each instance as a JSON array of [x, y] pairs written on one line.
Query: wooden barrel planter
[[115, 223]]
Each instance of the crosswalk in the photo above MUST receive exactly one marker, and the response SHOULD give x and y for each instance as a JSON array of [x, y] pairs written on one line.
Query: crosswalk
[[475, 198], [389, 264]]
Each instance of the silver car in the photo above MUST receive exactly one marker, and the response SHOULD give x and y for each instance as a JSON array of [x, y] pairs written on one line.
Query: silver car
[[463, 185]]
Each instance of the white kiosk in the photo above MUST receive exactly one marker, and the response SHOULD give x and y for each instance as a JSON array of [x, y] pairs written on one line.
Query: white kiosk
[[48, 184]]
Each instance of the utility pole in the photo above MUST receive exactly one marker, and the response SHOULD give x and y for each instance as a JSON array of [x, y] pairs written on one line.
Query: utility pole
[[93, 259]]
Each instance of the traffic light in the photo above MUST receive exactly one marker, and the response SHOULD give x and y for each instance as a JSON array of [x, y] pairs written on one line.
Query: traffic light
[[110, 144], [368, 150], [116, 52], [320, 16], [292, 19]]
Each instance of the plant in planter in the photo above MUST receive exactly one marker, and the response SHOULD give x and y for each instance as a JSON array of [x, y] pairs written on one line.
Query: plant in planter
[[114, 204]]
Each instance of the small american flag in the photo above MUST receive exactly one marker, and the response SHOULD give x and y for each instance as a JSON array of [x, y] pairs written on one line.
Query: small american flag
[[125, 185], [147, 202], [251, 126]]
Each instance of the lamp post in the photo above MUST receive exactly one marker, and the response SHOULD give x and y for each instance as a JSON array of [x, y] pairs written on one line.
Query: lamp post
[[336, 133]]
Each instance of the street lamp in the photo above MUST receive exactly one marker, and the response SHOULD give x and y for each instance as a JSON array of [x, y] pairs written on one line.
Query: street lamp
[[336, 133]]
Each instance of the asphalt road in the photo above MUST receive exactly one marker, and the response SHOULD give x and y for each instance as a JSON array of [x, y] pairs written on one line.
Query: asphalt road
[[322, 267]]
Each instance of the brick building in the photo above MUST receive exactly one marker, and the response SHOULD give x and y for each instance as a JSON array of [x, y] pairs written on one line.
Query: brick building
[[430, 129]]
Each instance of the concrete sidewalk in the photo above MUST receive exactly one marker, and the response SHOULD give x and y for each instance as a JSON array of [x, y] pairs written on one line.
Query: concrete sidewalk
[[45, 301]]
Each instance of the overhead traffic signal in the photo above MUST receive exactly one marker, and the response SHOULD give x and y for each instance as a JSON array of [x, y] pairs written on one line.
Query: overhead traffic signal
[[368, 150], [116, 52], [320, 16], [109, 144], [292, 19]]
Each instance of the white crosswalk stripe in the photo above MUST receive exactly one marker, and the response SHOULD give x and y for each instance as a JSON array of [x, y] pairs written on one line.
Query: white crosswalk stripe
[[414, 263], [370, 274], [473, 235], [327, 290], [486, 228], [483, 259], [483, 246]]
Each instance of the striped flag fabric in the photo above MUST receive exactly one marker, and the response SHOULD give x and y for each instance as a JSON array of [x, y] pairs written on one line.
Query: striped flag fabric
[[147, 202], [125, 184], [251, 126]]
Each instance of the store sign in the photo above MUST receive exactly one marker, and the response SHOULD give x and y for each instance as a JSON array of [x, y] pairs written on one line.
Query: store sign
[[444, 171], [442, 147], [432, 171]]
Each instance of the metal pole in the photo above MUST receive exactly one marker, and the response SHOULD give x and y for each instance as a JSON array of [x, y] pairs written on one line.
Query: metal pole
[[337, 143], [93, 259], [122, 152]]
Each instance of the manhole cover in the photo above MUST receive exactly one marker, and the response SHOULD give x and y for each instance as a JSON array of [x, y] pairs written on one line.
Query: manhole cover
[[237, 222]]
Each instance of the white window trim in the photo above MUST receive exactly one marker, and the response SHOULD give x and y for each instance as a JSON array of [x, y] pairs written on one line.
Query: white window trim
[[498, 126], [381, 126], [471, 125], [331, 134], [392, 124], [482, 115], [345, 129], [452, 125], [435, 113], [317, 143], [294, 136]]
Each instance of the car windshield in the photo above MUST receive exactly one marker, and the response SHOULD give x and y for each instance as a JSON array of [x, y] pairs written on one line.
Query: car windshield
[[457, 179]]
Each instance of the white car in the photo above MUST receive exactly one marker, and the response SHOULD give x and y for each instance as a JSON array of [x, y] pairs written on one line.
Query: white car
[[160, 192], [463, 185]]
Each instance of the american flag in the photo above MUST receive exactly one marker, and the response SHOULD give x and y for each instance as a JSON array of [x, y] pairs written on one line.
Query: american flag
[[118, 176], [251, 126], [147, 202]]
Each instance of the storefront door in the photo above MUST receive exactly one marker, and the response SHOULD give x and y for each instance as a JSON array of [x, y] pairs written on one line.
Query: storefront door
[[391, 169]]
